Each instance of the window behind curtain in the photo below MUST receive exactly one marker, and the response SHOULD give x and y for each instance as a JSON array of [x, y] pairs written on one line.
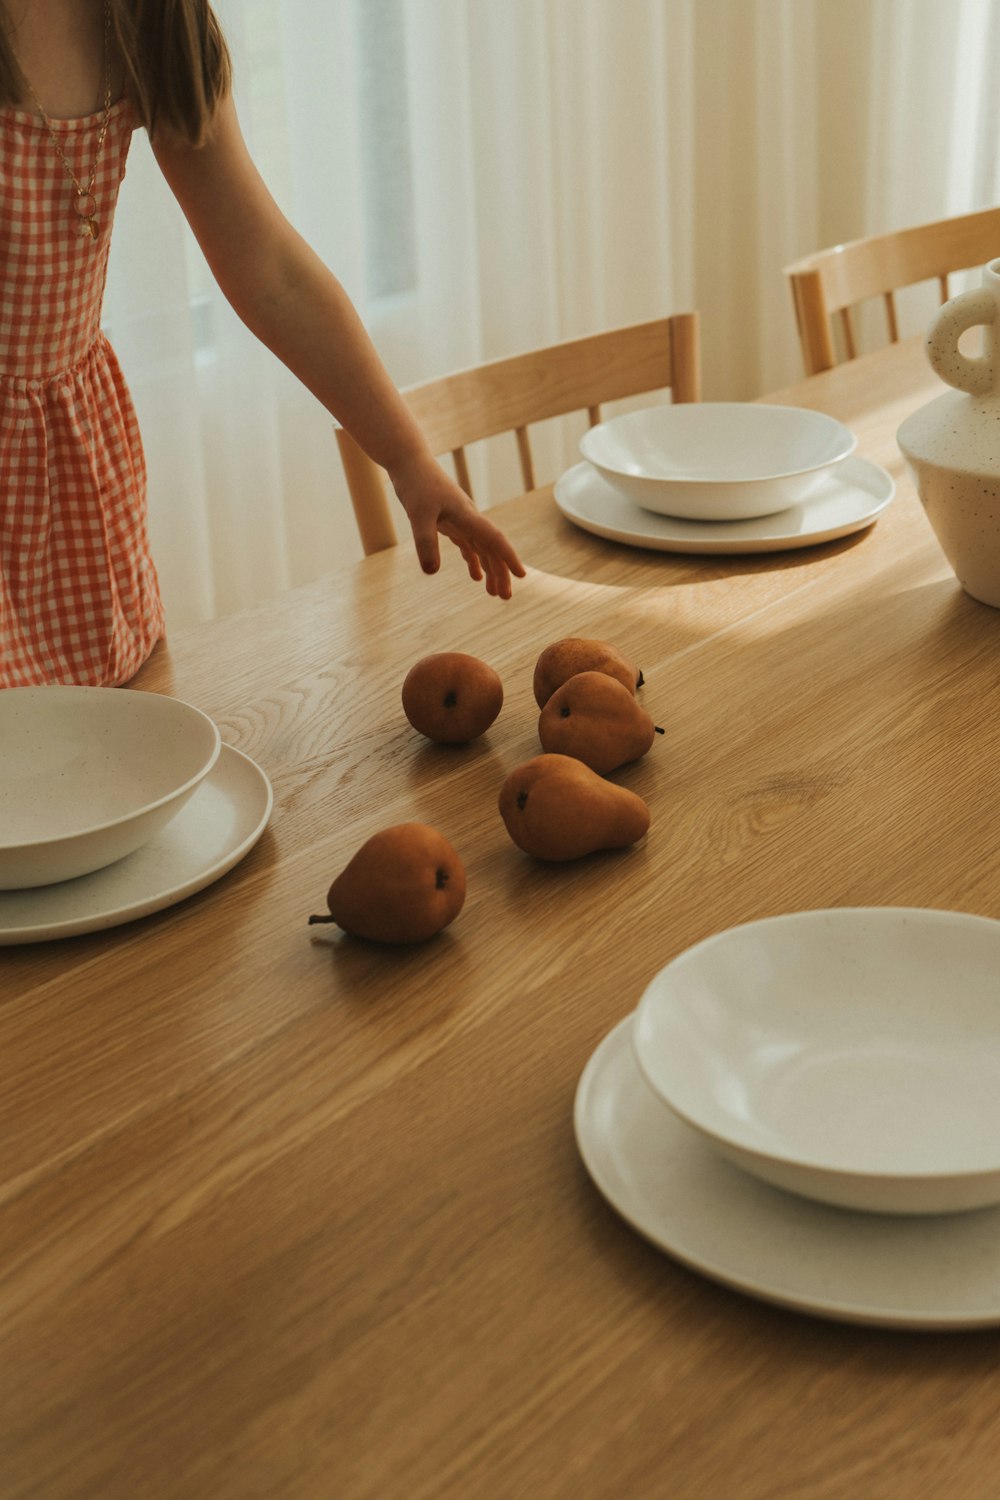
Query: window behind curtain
[[386, 165], [386, 161]]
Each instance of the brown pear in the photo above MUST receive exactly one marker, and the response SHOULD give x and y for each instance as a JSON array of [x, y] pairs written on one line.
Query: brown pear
[[556, 808], [451, 697], [402, 886], [565, 658], [595, 718]]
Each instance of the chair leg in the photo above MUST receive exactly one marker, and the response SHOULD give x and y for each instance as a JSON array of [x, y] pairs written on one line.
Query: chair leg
[[813, 322], [366, 485]]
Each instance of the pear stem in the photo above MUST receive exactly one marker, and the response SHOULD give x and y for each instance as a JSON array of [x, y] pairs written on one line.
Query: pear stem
[[321, 919], [658, 729]]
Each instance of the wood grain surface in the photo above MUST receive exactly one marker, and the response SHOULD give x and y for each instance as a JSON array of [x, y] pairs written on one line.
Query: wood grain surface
[[284, 1214]]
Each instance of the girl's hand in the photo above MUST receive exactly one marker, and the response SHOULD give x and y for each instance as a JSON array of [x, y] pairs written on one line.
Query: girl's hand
[[435, 504]]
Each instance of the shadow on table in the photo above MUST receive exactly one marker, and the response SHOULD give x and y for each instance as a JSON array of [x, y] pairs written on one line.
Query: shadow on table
[[588, 552]]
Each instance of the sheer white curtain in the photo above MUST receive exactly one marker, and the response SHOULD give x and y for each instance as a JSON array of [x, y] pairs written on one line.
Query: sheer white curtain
[[489, 175]]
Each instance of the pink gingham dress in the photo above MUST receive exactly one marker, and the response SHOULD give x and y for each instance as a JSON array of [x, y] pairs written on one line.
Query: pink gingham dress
[[79, 599]]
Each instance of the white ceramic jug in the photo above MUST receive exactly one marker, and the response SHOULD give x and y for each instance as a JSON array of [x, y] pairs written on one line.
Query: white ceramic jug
[[952, 445]]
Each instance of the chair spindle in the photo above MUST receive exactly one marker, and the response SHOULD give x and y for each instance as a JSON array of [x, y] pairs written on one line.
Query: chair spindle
[[524, 453], [890, 317], [847, 328], [462, 471]]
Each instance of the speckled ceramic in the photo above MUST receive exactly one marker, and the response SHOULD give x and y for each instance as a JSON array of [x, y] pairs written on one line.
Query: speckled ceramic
[[952, 445], [88, 775]]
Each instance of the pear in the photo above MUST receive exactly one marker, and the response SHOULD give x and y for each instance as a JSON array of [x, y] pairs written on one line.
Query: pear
[[565, 658], [402, 886], [557, 808], [451, 697], [595, 718]]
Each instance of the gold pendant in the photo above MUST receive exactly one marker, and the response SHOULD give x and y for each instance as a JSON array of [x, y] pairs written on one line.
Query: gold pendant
[[85, 205]]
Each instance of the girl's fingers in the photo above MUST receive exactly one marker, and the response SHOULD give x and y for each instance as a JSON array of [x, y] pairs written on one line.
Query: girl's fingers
[[466, 548], [501, 561], [473, 562], [487, 553], [425, 541]]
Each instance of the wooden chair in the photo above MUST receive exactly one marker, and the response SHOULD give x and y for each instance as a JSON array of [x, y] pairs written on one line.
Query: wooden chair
[[833, 282], [507, 395]]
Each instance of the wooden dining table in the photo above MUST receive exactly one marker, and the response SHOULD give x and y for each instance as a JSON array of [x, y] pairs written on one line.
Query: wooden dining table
[[285, 1213]]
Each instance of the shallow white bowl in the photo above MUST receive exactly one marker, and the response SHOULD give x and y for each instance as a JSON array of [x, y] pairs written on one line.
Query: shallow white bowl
[[717, 461], [851, 1056], [87, 775]]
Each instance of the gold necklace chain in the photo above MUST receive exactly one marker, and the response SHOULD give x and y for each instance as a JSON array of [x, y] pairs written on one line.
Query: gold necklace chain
[[84, 204]]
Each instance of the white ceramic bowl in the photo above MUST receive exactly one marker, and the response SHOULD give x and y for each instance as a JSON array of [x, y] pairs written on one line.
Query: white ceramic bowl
[[719, 460], [851, 1055], [87, 775]]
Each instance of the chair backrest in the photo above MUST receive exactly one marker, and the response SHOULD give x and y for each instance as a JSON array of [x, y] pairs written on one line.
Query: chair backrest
[[508, 395], [833, 282]]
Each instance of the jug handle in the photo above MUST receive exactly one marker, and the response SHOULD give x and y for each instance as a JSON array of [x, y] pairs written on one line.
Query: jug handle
[[975, 376]]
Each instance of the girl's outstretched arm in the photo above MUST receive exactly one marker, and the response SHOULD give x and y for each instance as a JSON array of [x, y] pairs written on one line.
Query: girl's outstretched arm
[[295, 305]]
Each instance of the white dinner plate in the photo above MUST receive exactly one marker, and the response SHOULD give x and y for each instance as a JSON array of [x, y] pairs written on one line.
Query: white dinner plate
[[221, 823], [933, 1272], [851, 497]]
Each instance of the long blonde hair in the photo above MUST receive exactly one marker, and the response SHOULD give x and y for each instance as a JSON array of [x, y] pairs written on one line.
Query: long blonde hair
[[177, 66]]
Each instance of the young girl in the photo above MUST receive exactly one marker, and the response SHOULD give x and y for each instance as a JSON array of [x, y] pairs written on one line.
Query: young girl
[[79, 601]]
